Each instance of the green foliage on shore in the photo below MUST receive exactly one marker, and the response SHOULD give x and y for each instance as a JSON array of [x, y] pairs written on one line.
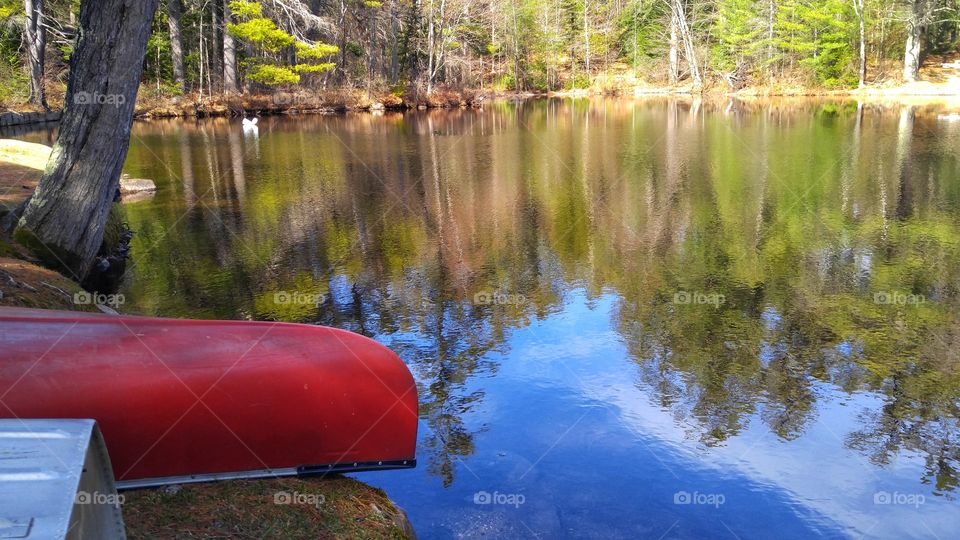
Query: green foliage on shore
[[520, 45], [268, 40]]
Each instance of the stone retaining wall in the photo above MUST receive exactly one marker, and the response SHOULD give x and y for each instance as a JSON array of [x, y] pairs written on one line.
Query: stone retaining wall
[[16, 119]]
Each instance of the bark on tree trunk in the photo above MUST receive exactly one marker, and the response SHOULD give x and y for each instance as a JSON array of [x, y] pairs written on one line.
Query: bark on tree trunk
[[229, 54], [63, 222], [36, 36], [174, 13], [911, 57]]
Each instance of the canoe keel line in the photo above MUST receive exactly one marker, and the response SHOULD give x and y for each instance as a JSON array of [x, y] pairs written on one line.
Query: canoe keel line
[[182, 401]]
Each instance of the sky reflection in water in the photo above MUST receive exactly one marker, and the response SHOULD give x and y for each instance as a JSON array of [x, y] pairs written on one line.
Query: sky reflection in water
[[611, 307]]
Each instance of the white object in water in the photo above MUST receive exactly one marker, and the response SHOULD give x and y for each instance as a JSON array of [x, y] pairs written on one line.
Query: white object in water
[[250, 122], [952, 117]]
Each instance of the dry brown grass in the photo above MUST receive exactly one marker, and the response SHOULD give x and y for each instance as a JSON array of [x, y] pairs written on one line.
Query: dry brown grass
[[337, 507]]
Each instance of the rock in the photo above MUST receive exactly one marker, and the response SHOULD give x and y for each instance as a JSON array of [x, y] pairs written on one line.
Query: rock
[[136, 185], [376, 107], [25, 154]]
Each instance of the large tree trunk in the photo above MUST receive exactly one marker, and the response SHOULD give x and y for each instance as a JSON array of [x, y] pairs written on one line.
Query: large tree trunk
[[63, 222], [36, 36], [911, 57], [174, 13], [229, 53]]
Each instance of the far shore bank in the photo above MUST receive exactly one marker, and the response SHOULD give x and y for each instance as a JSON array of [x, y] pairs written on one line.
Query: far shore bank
[[941, 90], [921, 92]]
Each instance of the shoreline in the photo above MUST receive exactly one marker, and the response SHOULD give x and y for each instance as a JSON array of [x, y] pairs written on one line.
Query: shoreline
[[345, 101], [922, 92]]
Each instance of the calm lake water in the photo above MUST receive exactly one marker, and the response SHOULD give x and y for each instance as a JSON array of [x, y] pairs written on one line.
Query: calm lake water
[[627, 319]]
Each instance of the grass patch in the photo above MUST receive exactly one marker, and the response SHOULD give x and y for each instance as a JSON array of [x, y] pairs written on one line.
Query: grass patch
[[336, 507]]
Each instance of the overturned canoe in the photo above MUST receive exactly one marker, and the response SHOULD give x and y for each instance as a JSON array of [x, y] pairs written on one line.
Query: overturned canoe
[[183, 400]]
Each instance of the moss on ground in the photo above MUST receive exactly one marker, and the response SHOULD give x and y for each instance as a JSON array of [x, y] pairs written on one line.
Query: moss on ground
[[336, 507], [24, 284]]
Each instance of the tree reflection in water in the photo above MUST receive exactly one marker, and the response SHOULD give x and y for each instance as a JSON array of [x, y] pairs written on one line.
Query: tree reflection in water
[[797, 214]]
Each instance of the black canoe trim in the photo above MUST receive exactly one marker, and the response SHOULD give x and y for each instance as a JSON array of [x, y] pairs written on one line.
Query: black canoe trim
[[303, 470], [356, 466]]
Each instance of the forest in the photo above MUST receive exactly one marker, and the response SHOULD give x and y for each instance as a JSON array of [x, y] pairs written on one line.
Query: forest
[[212, 47]]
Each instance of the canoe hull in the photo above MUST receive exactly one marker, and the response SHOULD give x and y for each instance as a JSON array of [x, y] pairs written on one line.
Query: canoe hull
[[179, 399]]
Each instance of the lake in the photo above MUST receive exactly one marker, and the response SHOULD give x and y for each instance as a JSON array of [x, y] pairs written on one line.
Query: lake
[[656, 318]]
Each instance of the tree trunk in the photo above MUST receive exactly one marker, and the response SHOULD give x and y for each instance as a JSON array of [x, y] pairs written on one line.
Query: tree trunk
[[911, 57], [229, 54], [430, 31], [858, 8], [679, 14], [586, 39], [63, 222], [174, 13], [394, 59], [771, 17], [218, 29], [36, 36], [674, 52], [517, 79]]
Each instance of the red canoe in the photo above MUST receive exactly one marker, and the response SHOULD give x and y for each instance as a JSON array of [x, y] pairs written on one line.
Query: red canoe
[[182, 400]]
